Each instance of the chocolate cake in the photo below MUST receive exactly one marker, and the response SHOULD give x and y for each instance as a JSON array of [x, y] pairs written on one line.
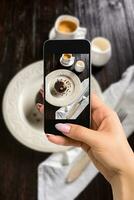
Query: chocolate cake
[[60, 86]]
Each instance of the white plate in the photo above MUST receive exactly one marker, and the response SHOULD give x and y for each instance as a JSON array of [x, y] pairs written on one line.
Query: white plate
[[74, 87], [18, 102]]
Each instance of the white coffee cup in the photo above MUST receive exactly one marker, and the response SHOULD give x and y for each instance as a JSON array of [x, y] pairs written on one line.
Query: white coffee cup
[[64, 32], [67, 59], [79, 66], [101, 51]]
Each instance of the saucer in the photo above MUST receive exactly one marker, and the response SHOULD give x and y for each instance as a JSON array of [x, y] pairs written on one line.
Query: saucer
[[20, 114], [52, 35], [69, 64], [72, 82]]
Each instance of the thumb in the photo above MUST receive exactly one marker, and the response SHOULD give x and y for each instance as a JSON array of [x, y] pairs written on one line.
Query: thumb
[[79, 133]]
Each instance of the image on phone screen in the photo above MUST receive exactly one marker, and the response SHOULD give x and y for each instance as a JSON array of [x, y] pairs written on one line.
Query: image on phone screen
[[67, 89]]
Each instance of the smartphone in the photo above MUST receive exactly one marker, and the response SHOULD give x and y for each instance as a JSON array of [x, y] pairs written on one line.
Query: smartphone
[[67, 74]]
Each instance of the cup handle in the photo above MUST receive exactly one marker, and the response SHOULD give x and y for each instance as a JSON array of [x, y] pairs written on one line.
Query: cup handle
[[81, 33]]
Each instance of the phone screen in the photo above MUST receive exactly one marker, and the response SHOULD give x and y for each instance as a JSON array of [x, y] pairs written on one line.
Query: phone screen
[[66, 89]]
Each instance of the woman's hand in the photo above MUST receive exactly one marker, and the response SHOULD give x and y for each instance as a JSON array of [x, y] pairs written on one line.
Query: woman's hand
[[106, 144]]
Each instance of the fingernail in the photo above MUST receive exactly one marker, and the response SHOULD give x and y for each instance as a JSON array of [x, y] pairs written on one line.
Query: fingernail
[[64, 128]]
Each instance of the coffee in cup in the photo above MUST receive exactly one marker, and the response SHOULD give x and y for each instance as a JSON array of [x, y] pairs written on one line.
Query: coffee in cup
[[67, 57], [68, 27]]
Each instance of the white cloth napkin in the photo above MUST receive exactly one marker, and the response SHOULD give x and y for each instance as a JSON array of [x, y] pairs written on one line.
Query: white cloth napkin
[[52, 174], [53, 171], [120, 96]]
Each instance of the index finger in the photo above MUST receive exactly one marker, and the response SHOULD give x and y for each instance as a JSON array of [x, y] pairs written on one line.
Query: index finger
[[100, 110], [96, 102]]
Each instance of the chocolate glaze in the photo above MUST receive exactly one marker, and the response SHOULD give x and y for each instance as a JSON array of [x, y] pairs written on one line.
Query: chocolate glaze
[[60, 86]]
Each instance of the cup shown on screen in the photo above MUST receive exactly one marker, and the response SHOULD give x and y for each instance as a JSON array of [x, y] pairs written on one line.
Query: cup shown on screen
[[66, 58], [79, 66], [68, 27], [101, 51]]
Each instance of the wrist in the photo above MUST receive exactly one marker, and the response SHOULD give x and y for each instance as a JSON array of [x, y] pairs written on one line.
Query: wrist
[[123, 184]]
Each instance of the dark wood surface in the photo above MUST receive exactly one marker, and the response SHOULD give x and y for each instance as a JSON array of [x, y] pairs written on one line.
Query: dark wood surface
[[24, 25]]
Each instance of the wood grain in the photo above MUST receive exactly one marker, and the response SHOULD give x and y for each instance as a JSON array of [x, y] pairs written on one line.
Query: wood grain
[[24, 26]]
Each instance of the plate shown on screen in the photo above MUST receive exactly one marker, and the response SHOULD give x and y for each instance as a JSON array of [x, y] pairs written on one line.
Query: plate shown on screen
[[68, 81]]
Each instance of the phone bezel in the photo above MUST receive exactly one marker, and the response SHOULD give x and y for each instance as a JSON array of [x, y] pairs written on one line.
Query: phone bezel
[[81, 46]]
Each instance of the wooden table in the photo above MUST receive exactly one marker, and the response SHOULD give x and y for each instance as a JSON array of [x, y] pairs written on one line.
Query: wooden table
[[24, 25]]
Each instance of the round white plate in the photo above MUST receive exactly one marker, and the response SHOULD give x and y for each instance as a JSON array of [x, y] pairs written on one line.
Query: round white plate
[[66, 98], [19, 109], [67, 65], [18, 103]]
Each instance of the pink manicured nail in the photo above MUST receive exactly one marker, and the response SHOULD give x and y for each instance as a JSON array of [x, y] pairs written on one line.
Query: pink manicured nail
[[64, 128]]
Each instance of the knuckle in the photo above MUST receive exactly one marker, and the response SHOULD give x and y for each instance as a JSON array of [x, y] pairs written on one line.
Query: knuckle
[[77, 131]]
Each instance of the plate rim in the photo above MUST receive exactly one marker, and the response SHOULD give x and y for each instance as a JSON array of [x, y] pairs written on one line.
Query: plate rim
[[6, 119]]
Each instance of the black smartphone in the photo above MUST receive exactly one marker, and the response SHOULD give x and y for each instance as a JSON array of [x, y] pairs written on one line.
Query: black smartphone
[[67, 74]]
